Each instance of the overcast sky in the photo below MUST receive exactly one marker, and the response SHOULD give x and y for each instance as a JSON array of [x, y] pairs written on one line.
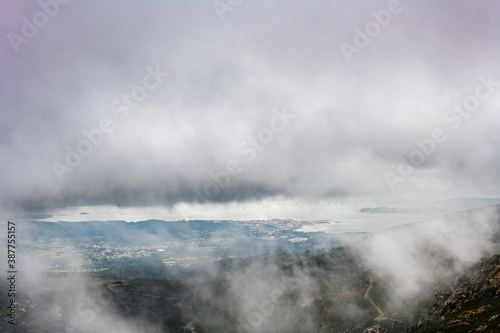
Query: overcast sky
[[154, 103]]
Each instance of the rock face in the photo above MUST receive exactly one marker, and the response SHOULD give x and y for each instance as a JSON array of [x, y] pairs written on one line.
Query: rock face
[[375, 329], [473, 305]]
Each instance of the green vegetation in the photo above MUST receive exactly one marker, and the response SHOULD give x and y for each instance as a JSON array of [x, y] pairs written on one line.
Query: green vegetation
[[211, 276], [482, 314]]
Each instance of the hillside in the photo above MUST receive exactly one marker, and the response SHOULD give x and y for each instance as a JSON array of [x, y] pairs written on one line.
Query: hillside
[[384, 283], [472, 305]]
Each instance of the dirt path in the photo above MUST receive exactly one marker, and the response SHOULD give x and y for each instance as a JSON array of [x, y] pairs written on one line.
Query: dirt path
[[367, 292], [118, 298], [381, 313], [191, 327]]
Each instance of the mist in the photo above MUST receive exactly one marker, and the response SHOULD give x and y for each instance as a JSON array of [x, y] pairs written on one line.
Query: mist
[[409, 263], [415, 258], [322, 290], [367, 114], [67, 302]]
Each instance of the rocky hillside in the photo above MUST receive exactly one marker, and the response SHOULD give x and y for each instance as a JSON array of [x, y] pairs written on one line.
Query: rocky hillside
[[473, 305]]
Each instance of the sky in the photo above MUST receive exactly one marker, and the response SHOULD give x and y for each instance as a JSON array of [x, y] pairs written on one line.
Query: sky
[[232, 104]]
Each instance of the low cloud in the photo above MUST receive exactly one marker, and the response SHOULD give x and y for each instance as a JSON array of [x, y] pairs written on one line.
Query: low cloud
[[415, 258], [354, 120]]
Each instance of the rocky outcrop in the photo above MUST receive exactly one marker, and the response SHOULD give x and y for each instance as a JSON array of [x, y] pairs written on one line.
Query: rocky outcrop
[[473, 303]]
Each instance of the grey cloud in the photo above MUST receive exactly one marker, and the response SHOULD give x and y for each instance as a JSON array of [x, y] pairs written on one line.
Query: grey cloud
[[353, 121]]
